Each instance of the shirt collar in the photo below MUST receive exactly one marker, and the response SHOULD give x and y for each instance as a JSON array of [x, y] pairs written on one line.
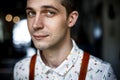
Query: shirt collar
[[44, 67], [66, 65], [64, 68]]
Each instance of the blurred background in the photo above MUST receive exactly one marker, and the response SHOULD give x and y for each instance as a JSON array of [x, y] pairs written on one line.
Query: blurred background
[[97, 31]]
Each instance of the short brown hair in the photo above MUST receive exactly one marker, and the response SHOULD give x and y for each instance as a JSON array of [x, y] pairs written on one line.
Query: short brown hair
[[70, 5]]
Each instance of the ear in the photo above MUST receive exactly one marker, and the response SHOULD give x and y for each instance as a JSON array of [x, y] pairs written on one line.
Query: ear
[[72, 18]]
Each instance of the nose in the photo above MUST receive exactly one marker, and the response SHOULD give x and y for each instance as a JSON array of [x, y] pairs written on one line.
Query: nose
[[38, 22]]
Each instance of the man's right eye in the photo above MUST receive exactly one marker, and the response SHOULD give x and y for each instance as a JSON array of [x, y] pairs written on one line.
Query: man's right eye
[[30, 14]]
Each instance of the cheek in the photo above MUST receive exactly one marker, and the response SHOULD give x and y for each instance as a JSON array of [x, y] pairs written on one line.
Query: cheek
[[56, 23], [29, 23], [59, 29]]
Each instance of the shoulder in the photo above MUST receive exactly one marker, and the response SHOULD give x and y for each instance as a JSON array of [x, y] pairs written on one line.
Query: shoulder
[[21, 68], [100, 68], [22, 65], [23, 62], [95, 61]]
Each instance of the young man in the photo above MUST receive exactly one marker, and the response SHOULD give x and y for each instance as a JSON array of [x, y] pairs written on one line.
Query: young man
[[58, 57]]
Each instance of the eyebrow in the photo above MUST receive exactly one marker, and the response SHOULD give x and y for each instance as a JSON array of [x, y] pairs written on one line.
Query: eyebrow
[[28, 8], [44, 6], [49, 6]]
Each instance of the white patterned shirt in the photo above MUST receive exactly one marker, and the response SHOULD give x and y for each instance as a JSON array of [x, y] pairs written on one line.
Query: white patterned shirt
[[68, 70]]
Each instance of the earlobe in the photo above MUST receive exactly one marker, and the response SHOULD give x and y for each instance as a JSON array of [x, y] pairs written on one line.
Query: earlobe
[[72, 18]]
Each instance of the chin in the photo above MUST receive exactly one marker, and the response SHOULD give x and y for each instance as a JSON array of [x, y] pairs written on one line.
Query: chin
[[41, 46]]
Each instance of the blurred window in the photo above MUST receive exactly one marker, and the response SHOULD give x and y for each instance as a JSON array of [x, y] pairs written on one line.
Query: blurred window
[[21, 36]]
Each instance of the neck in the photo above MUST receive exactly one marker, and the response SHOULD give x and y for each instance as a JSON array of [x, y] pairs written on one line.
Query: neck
[[54, 57]]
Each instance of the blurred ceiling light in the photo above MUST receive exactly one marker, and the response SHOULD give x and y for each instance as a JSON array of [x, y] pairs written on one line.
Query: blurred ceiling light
[[8, 17], [16, 19]]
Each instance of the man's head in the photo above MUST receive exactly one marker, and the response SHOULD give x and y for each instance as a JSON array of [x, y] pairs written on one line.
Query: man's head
[[49, 22], [70, 5]]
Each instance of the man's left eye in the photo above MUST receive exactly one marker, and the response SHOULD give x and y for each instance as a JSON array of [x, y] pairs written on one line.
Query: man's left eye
[[50, 13]]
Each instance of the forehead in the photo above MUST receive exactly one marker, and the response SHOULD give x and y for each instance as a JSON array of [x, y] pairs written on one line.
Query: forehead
[[39, 3]]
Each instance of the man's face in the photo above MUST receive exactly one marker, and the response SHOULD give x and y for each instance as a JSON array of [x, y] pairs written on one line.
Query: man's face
[[47, 23]]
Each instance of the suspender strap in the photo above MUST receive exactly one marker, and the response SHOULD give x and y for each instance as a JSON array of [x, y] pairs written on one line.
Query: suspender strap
[[83, 69], [32, 67], [84, 66]]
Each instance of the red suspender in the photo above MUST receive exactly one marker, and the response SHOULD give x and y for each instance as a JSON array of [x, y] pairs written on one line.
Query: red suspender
[[32, 67], [83, 69], [84, 66]]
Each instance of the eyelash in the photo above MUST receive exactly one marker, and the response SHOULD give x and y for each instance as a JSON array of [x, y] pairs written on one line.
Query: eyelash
[[46, 13], [50, 13], [31, 14]]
